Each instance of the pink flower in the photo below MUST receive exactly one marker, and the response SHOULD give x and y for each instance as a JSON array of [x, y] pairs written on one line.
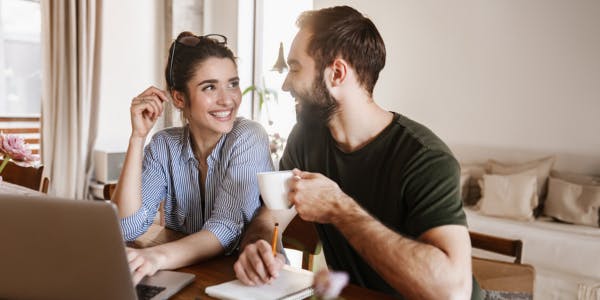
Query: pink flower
[[15, 148], [329, 285]]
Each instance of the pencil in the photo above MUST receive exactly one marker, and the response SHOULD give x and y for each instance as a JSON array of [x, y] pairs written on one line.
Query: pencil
[[274, 242]]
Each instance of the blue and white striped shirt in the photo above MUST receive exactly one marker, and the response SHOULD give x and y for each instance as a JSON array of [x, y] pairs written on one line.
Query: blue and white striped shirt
[[170, 171]]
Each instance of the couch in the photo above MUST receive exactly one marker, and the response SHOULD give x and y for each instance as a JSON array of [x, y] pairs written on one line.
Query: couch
[[563, 255]]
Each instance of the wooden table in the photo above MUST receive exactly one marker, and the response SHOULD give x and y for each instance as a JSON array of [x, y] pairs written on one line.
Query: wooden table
[[219, 270], [14, 189], [211, 272]]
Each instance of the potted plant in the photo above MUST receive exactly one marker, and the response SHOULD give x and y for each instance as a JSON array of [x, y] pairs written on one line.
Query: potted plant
[[266, 95]]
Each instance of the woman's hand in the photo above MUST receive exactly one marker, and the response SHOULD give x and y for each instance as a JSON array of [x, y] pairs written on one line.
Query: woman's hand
[[143, 262], [145, 110]]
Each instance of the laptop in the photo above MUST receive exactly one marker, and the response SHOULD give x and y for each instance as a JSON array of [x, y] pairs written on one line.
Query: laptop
[[53, 248]]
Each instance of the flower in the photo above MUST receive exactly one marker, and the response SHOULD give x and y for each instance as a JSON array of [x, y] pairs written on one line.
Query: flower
[[276, 144], [14, 147], [329, 285]]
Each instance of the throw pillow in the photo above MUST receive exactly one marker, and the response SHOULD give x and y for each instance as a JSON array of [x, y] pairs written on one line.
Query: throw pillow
[[509, 196], [574, 201], [542, 167], [576, 178], [472, 192]]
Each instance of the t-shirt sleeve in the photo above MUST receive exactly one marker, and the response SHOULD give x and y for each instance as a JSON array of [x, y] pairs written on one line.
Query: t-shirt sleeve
[[431, 192]]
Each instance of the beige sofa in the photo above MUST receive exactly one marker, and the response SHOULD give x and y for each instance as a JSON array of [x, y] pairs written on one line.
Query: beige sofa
[[563, 255]]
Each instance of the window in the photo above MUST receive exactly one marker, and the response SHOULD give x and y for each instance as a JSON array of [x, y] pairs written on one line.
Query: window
[[276, 23], [20, 58]]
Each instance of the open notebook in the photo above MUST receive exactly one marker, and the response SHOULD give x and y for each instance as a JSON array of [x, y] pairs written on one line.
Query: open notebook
[[292, 283]]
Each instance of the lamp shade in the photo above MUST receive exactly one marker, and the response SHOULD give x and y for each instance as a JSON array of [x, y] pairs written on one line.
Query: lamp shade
[[280, 66]]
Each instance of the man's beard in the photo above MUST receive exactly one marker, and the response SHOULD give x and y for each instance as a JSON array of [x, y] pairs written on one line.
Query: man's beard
[[316, 106]]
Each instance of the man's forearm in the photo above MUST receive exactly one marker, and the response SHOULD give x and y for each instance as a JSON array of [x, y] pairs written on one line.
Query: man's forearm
[[261, 226], [257, 229], [415, 269]]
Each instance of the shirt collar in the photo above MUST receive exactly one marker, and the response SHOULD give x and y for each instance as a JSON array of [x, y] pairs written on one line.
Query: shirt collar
[[186, 147]]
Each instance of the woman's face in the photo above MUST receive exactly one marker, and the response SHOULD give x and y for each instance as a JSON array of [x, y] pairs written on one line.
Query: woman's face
[[214, 95]]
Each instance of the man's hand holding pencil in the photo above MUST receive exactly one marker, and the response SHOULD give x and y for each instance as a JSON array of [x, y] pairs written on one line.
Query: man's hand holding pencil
[[260, 262]]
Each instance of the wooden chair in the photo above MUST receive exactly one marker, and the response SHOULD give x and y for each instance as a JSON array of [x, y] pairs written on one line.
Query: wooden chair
[[45, 185], [499, 275], [108, 190], [302, 236], [29, 177], [495, 244]]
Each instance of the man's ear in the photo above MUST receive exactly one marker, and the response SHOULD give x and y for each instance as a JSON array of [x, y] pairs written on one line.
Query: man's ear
[[178, 99], [338, 73]]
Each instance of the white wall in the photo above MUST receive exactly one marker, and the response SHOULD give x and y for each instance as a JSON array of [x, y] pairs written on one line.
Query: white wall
[[132, 59], [505, 74]]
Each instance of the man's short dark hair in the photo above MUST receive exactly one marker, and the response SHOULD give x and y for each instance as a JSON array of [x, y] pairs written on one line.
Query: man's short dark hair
[[344, 32]]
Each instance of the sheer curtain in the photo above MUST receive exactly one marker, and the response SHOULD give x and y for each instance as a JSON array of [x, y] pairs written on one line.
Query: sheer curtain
[[71, 74]]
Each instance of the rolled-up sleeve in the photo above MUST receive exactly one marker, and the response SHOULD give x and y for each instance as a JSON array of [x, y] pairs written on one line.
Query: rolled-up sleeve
[[237, 199], [153, 192]]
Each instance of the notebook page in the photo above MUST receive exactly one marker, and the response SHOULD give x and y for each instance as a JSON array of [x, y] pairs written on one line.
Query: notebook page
[[292, 283]]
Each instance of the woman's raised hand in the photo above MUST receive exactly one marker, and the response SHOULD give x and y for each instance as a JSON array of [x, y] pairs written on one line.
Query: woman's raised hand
[[145, 110]]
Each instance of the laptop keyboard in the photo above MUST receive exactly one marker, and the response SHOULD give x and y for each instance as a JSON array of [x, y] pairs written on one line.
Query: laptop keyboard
[[146, 292]]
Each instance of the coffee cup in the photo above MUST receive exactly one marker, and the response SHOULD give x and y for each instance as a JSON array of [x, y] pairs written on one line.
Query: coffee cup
[[274, 188]]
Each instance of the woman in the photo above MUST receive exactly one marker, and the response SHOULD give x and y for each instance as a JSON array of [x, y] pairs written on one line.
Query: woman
[[205, 171]]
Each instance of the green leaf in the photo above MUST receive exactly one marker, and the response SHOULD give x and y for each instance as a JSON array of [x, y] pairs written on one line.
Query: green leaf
[[261, 100], [264, 94], [248, 89]]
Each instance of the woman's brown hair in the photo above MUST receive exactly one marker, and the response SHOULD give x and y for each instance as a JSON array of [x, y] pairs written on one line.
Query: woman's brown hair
[[186, 54], [189, 51]]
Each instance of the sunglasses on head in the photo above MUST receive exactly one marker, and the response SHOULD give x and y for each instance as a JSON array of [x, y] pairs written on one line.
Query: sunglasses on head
[[192, 41]]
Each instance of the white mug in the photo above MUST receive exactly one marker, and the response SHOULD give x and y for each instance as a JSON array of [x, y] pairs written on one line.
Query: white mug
[[274, 188]]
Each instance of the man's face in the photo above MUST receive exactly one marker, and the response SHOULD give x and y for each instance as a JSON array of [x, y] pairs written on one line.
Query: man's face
[[314, 103]]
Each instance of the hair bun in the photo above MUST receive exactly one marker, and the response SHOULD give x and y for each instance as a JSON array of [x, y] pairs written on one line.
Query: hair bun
[[184, 34]]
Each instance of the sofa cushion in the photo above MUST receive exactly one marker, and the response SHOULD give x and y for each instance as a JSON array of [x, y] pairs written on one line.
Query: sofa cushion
[[472, 173], [542, 167], [574, 201], [576, 178], [509, 196]]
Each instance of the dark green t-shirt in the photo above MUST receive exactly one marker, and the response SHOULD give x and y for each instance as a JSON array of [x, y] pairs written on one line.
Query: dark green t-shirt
[[406, 177]]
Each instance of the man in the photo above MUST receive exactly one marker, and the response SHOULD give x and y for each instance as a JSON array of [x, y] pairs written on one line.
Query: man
[[383, 190]]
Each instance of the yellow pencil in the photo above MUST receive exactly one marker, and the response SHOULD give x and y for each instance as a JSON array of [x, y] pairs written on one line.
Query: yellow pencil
[[274, 242]]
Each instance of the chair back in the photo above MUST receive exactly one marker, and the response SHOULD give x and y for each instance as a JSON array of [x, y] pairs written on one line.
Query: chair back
[[495, 244], [108, 190], [302, 236], [29, 177], [45, 185], [498, 275]]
